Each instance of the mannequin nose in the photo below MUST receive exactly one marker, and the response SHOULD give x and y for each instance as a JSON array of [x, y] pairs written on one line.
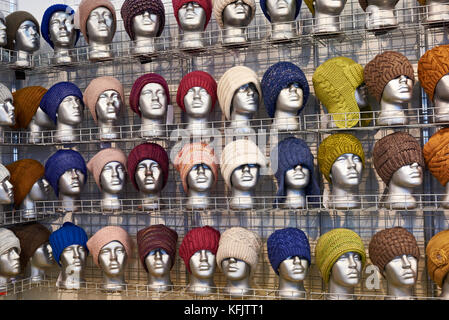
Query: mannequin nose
[[10, 106], [298, 168], [351, 260], [196, 94], [296, 260], [414, 165], [115, 172], [148, 171], [113, 256], [292, 88], [203, 255], [200, 169], [158, 255], [245, 168], [14, 255], [74, 174], [76, 254], [405, 262], [350, 162], [190, 5], [8, 185], [402, 79]]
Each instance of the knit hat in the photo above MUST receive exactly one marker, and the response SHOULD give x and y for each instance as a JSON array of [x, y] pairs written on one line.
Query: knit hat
[[332, 245], [98, 161], [239, 243], [436, 155], [334, 146], [432, 66], [394, 151], [5, 93], [230, 81], [61, 161], [52, 99], [86, 7], [192, 154], [147, 151], [155, 237], [106, 235], [437, 252], [389, 243], [45, 25], [204, 238], [67, 235], [238, 153], [285, 243], [26, 102], [220, 5], [383, 68], [13, 22], [205, 4], [24, 174], [138, 85], [4, 173], [8, 240], [263, 6], [132, 8], [196, 79], [278, 77]]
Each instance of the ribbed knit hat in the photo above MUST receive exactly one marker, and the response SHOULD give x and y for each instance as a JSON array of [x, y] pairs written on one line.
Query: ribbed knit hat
[[98, 161], [230, 81], [437, 253], [279, 76], [389, 243], [61, 161], [67, 235], [220, 5], [132, 8], [96, 87], [45, 25], [53, 97], [203, 238], [196, 79], [24, 174], [8, 240], [436, 155], [155, 237], [394, 151], [383, 68], [13, 22], [147, 151], [4, 173], [106, 235], [141, 82], [205, 4], [285, 243], [334, 146], [263, 6], [332, 245], [26, 102], [86, 7], [432, 66]]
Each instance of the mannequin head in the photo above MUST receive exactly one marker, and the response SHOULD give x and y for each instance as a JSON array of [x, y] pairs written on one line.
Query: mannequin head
[[7, 115], [112, 177], [27, 37], [245, 99], [294, 269], [198, 102], [346, 171], [3, 34], [297, 178], [62, 30], [10, 262], [149, 177], [398, 90], [237, 14], [200, 178], [6, 192], [408, 176], [281, 10], [245, 177], [145, 25], [70, 111], [192, 17], [347, 270], [402, 271], [158, 263], [71, 182], [360, 96], [108, 106], [290, 99], [100, 25], [39, 191], [73, 258], [112, 258], [235, 269], [153, 101], [43, 256], [329, 7], [202, 264]]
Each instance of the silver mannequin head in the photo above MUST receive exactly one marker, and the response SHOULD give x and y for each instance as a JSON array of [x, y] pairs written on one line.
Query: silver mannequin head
[[158, 263], [73, 262], [401, 186], [332, 7], [360, 96], [149, 176], [408, 176], [6, 192], [192, 17], [396, 93], [62, 30], [108, 106], [294, 269], [245, 100], [198, 102], [401, 274], [70, 111], [112, 260], [347, 270], [7, 115], [441, 100], [145, 25], [202, 264], [245, 177], [297, 177], [237, 14], [100, 26], [3, 35], [27, 37], [153, 101], [380, 14], [41, 260], [200, 178], [346, 171], [39, 192], [71, 182], [112, 177], [289, 101], [327, 15], [10, 263], [281, 10], [235, 269]]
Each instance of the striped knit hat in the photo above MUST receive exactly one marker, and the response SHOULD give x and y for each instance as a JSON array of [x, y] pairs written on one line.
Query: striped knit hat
[[205, 4], [26, 103], [196, 79], [220, 5], [132, 8], [103, 157], [8, 240], [436, 155], [432, 66], [141, 82], [84, 10], [53, 97], [69, 234]]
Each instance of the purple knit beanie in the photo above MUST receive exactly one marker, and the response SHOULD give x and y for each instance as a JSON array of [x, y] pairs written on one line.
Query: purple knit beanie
[[53, 97], [141, 82], [132, 8]]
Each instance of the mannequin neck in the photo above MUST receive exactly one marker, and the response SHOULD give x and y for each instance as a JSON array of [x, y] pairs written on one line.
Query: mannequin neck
[[398, 293], [238, 287], [192, 40], [197, 199], [240, 122], [108, 130], [62, 55], [391, 113], [344, 197], [295, 199], [282, 30], [445, 289], [325, 22], [290, 289], [35, 130], [285, 121], [28, 208], [110, 201], [69, 203], [24, 59], [150, 200], [70, 279], [114, 283], [197, 126], [380, 17], [339, 292], [35, 273], [201, 286], [162, 283], [437, 11], [234, 35], [242, 199], [400, 197], [65, 133], [152, 127], [99, 51], [143, 45], [441, 108]]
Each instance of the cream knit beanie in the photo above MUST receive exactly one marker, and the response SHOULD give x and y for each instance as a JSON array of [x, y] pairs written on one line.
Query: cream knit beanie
[[8, 240], [97, 163], [4, 173], [220, 5]]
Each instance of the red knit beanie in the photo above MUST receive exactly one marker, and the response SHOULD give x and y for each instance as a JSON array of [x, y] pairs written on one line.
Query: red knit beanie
[[147, 151], [203, 238], [205, 4], [196, 79], [141, 82]]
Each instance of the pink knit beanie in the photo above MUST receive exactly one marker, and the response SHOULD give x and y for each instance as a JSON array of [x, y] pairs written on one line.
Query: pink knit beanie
[[97, 163], [205, 4], [86, 7], [141, 82], [196, 79]]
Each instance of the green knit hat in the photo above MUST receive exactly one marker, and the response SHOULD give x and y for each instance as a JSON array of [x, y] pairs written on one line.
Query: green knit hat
[[332, 245]]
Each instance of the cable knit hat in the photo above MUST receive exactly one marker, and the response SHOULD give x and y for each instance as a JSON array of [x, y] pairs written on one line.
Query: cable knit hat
[[205, 4], [45, 25], [220, 5], [385, 67], [332, 245], [138, 85], [106, 235], [53, 97], [4, 173], [334, 146], [86, 7], [132, 8], [278, 77], [230, 81], [389, 243], [155, 237], [285, 243], [204, 238], [263, 6], [437, 253], [147, 151], [436, 155], [196, 79], [96, 87], [98, 161], [13, 22], [67, 235], [61, 161], [394, 151], [26, 102], [8, 240], [432, 66]]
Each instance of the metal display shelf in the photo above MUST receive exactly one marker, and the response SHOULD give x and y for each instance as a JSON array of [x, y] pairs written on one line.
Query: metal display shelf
[[20, 216]]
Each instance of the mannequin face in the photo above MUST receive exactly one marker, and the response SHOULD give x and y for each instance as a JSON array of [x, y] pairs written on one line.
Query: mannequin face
[[384, 4], [74, 257], [39, 191], [246, 99], [158, 263], [290, 99], [294, 269], [27, 37], [112, 258], [192, 17], [108, 106], [200, 178], [442, 92], [10, 263], [62, 30], [198, 102], [6, 192], [149, 176], [153, 101], [281, 10], [43, 256], [235, 269], [334, 7], [297, 177], [245, 177], [402, 271], [347, 270], [71, 182], [100, 25], [3, 36], [360, 96], [202, 264], [70, 111], [112, 177], [145, 25], [7, 115], [346, 170], [398, 90], [408, 176], [237, 14]]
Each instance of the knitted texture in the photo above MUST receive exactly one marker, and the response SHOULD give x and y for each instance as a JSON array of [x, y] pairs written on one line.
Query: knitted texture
[[4, 173], [285, 243], [389, 243], [436, 155], [8, 240], [61, 161], [278, 77], [147, 151], [220, 5], [263, 6], [230, 81], [45, 25], [26, 102], [141, 82], [203, 238], [96, 87], [106, 235], [13, 22], [205, 4], [155, 237], [53, 97], [383, 68], [69, 234], [432, 66], [334, 146], [196, 79], [333, 244], [437, 253], [394, 151], [5, 93], [98, 161], [132, 8], [86, 7], [192, 154]]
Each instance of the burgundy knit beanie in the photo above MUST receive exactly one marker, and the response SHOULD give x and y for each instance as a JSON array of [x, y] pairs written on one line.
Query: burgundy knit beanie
[[147, 151], [205, 4], [196, 79], [132, 8], [203, 238], [141, 82]]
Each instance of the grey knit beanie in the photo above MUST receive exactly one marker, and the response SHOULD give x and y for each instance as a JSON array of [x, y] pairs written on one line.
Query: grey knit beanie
[[5, 93], [8, 240], [4, 173]]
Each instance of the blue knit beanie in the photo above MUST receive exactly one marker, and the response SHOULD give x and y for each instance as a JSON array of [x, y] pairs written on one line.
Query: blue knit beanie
[[65, 236], [46, 21], [60, 162], [279, 76], [284, 243], [54, 96], [263, 6]]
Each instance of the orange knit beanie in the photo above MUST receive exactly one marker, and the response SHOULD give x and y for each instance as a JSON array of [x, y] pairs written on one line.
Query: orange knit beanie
[[432, 66], [26, 102], [437, 252], [436, 155]]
